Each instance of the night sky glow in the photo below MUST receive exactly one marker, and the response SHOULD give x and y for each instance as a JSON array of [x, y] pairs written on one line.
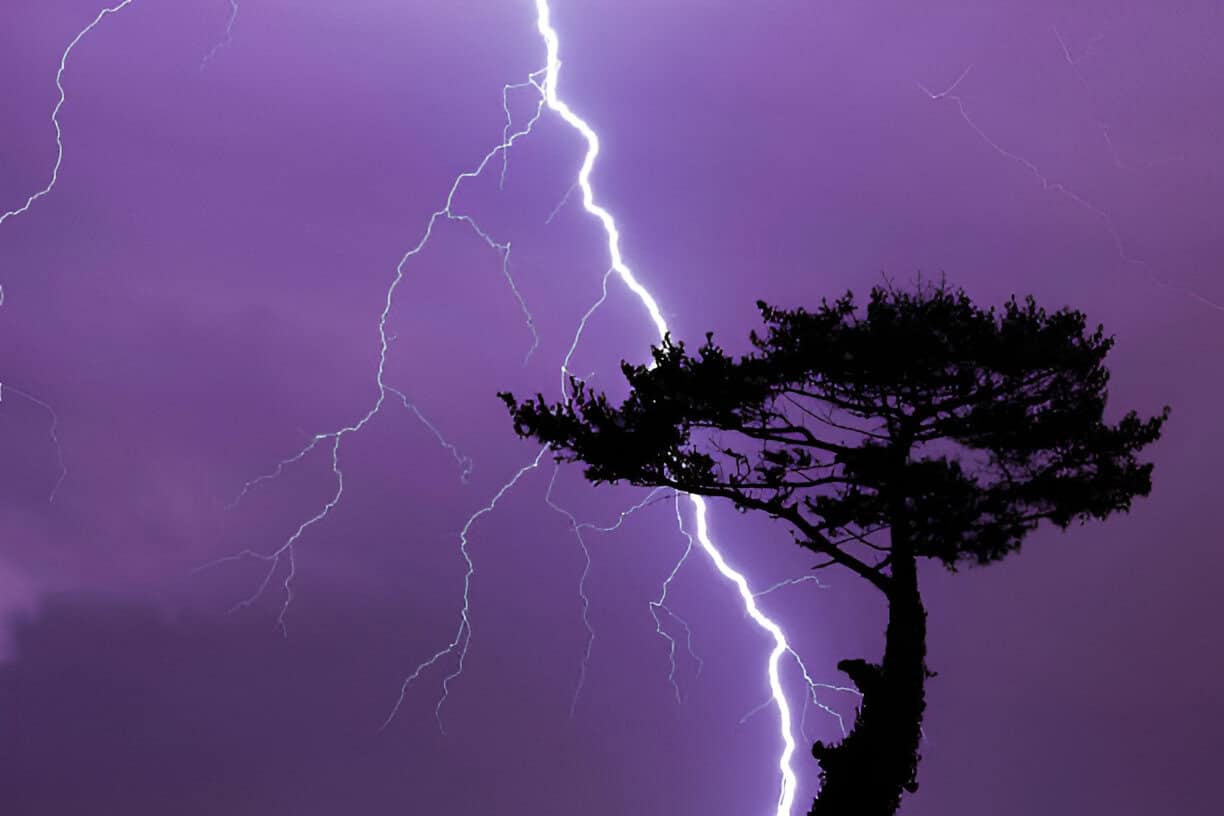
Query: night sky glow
[[264, 265]]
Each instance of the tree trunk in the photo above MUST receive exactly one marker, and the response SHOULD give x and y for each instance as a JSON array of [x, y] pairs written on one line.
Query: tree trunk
[[866, 773]]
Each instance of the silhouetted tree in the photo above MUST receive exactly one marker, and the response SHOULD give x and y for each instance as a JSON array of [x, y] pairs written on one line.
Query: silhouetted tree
[[925, 428]]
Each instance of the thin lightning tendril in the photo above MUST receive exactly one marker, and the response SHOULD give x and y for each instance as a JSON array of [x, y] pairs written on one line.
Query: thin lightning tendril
[[786, 795], [1057, 187], [229, 36], [464, 462], [59, 133], [463, 636], [287, 550], [577, 528], [660, 603], [53, 432]]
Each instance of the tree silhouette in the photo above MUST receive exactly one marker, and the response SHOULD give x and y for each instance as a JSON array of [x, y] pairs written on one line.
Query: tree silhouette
[[924, 428]]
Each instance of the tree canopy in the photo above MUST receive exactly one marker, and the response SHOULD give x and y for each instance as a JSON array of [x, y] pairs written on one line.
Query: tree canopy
[[971, 424], [921, 426]]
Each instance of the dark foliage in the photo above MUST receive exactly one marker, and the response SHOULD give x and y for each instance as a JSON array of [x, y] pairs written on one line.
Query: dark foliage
[[923, 427]]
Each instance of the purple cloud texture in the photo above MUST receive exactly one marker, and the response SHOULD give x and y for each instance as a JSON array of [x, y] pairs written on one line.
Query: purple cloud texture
[[200, 294]]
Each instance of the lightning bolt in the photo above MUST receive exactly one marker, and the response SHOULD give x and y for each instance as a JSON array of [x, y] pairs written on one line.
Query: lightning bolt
[[577, 528], [545, 83], [286, 552], [786, 794], [790, 582]]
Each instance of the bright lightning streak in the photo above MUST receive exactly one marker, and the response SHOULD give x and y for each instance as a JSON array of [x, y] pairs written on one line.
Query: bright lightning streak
[[59, 133], [786, 795], [460, 643], [1074, 61], [813, 686], [624, 515], [564, 200], [577, 527]]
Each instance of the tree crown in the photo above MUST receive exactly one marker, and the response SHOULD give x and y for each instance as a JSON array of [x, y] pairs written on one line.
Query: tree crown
[[955, 429]]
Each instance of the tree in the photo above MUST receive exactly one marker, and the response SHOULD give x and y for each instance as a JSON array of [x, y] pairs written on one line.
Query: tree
[[925, 427]]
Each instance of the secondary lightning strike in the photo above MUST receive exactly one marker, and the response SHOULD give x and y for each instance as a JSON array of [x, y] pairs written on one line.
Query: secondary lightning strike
[[1060, 188], [577, 527], [808, 700], [463, 636], [556, 104], [287, 550], [229, 36], [786, 795], [59, 133]]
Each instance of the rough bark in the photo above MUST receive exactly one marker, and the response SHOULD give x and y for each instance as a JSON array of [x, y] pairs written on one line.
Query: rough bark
[[868, 771]]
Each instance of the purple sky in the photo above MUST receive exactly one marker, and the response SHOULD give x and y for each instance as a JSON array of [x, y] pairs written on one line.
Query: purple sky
[[200, 293]]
